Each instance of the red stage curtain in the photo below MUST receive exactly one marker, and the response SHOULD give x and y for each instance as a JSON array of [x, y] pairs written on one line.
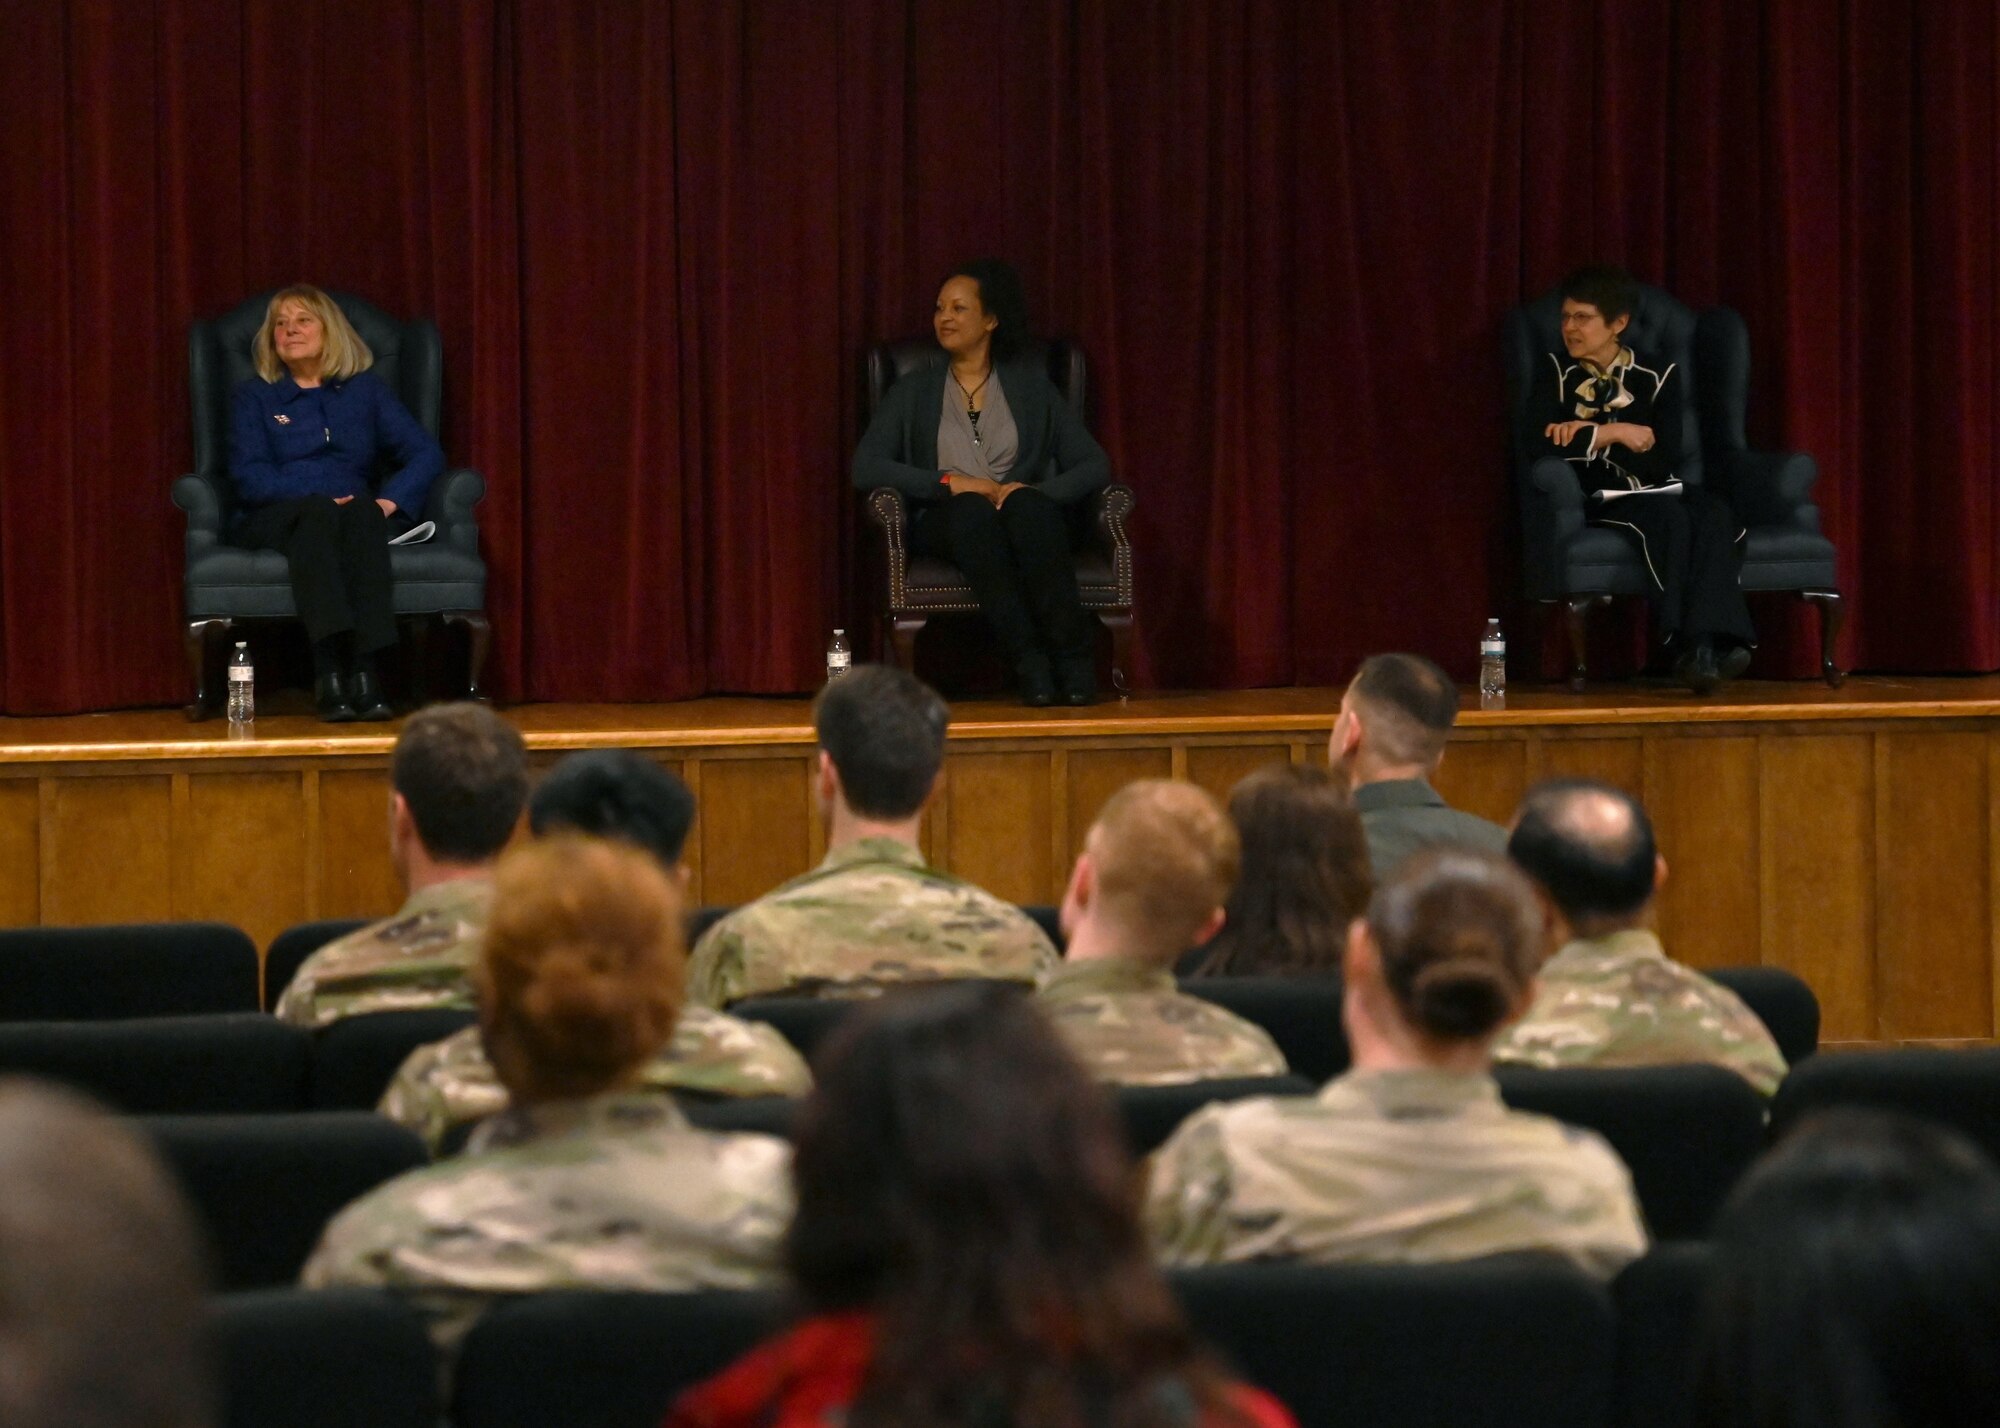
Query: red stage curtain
[[658, 237]]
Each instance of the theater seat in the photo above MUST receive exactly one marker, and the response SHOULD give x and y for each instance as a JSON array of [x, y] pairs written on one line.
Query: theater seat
[[606, 1360], [129, 970], [1049, 919], [289, 949], [806, 1022], [703, 918], [1151, 1113], [1957, 1088], [1658, 1299], [288, 1358], [241, 1062], [355, 1059], [265, 1186], [1301, 1013], [1687, 1132], [1515, 1340], [1783, 1002]]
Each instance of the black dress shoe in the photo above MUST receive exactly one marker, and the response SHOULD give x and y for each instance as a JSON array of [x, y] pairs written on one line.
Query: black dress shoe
[[366, 693], [1735, 663], [330, 700], [1698, 670], [1038, 682], [1076, 680]]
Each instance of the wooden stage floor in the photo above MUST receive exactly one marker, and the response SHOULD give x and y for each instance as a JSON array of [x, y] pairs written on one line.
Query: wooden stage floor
[[1852, 835]]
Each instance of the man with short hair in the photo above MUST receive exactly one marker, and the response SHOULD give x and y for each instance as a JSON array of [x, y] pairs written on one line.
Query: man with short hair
[[624, 796], [872, 914], [1611, 996], [1395, 719], [459, 776], [1154, 876], [102, 1316]]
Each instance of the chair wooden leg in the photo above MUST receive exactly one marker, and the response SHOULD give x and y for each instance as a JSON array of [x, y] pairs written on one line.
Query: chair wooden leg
[[478, 638], [1576, 613], [1119, 622], [195, 641], [903, 631], [1831, 615]]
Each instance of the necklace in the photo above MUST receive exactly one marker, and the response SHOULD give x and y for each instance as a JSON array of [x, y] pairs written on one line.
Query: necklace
[[971, 414]]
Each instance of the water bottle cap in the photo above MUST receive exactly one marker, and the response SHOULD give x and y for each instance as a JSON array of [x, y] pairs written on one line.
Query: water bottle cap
[[840, 632], [243, 644]]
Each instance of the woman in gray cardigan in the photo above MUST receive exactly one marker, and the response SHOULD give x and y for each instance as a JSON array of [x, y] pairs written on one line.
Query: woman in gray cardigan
[[992, 462]]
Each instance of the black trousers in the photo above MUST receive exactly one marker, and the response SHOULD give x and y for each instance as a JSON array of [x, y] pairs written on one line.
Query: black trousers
[[339, 555], [1693, 548], [1017, 560]]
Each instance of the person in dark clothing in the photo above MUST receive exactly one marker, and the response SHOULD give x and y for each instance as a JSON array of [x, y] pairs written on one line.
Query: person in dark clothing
[[1616, 417], [993, 462], [307, 436]]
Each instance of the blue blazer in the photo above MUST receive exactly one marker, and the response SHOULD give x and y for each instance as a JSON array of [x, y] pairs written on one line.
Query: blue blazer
[[287, 441]]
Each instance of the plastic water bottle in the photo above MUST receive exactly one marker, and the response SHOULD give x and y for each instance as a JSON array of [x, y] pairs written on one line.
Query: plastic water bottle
[[1492, 667], [242, 686], [839, 658]]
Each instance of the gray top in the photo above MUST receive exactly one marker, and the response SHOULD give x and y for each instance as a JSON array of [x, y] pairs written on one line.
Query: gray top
[[1403, 815], [987, 450]]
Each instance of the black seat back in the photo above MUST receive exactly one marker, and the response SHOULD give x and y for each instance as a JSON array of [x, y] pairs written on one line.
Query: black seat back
[[241, 1062], [607, 1360], [705, 917], [265, 1186], [1782, 1001], [1686, 1132], [289, 949], [1956, 1088], [1302, 1014], [807, 1022], [1517, 1340], [129, 970], [289, 1358], [355, 1059], [1659, 1306], [1151, 1113], [889, 362]]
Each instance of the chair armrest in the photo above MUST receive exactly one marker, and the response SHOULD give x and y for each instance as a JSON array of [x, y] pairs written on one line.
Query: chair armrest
[[1110, 509], [886, 505], [1557, 483], [201, 497], [1765, 487], [452, 497]]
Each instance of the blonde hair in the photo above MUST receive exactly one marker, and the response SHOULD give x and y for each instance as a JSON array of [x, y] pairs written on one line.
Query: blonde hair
[[584, 963], [1165, 856], [343, 353]]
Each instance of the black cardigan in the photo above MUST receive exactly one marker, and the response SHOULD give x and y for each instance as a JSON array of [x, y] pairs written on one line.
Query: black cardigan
[[1056, 454], [1656, 402]]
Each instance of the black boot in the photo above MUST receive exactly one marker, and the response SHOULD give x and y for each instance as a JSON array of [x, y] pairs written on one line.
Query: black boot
[[330, 698], [1038, 683], [1697, 668], [366, 693], [1076, 679]]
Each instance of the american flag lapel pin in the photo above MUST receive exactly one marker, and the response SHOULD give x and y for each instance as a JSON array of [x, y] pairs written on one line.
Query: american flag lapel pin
[[282, 420]]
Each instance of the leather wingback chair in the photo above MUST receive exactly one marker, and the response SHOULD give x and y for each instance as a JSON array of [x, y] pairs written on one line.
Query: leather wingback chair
[[1579, 565], [914, 587], [443, 577]]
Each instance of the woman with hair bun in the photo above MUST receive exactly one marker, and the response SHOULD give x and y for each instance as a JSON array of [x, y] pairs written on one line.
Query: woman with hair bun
[[586, 1182], [1410, 1156]]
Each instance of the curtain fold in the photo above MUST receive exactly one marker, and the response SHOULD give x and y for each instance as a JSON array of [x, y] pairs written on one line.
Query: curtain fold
[[658, 239]]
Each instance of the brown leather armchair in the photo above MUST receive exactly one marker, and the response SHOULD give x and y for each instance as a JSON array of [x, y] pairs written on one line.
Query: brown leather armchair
[[914, 588]]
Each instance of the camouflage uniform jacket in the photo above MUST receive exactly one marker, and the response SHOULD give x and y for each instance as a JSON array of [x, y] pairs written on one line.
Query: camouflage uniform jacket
[[1131, 1026], [450, 1083], [870, 915], [1404, 1166], [612, 1192], [1621, 1001], [419, 959]]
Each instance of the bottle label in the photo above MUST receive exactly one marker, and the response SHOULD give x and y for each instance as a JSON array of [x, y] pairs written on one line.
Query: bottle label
[[838, 661], [1493, 649], [240, 673]]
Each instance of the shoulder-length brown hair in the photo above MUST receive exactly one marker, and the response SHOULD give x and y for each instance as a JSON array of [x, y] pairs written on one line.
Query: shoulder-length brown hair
[[344, 352], [959, 1175], [1305, 876]]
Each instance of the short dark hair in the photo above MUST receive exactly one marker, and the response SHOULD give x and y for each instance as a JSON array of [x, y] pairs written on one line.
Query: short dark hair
[[1855, 1282], [615, 793], [1589, 845], [884, 731], [102, 1314], [1413, 704], [1001, 294], [1611, 290], [463, 771]]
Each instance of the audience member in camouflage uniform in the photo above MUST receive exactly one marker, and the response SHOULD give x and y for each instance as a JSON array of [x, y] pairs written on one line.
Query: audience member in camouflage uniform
[[1611, 996], [1395, 719], [609, 793], [1154, 875], [460, 775], [1410, 1156], [872, 914], [582, 1184]]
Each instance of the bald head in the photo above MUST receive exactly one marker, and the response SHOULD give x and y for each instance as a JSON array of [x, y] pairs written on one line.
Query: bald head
[[1591, 848]]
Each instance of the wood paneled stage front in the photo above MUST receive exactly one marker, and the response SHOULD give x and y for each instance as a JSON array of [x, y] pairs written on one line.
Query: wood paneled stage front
[[1851, 835]]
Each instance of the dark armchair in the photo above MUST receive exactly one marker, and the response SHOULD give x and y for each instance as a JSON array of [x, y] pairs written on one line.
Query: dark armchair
[[1580, 566], [914, 588], [443, 577]]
